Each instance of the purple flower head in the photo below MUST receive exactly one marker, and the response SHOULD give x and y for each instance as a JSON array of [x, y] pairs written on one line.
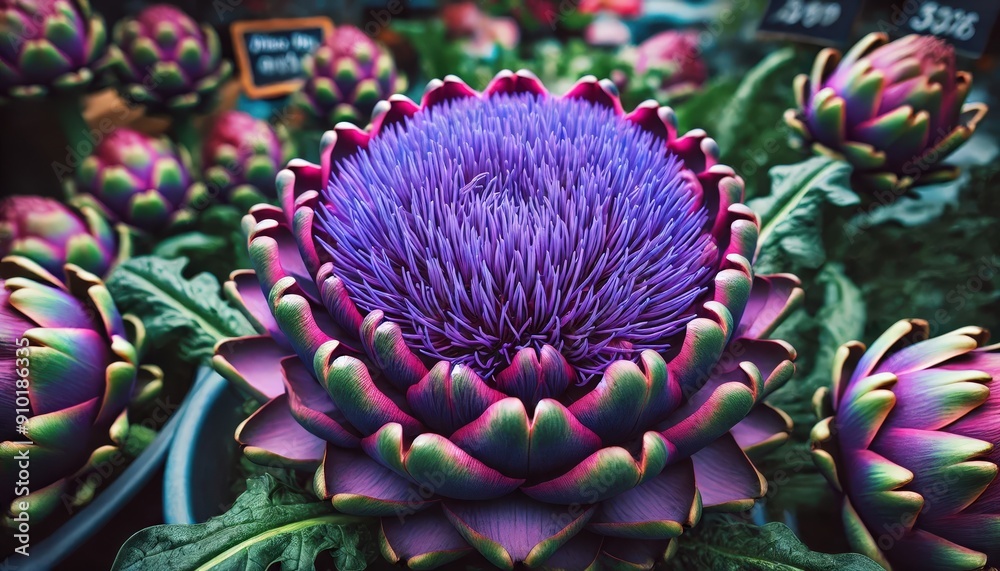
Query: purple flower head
[[49, 45], [66, 356], [892, 109], [167, 62], [53, 234], [912, 441], [539, 310], [140, 180]]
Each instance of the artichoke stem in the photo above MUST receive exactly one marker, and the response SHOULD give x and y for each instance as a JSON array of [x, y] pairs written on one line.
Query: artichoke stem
[[187, 136], [78, 134]]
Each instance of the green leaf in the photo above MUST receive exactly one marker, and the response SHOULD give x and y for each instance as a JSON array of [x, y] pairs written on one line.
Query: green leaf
[[703, 108], [269, 523], [792, 215], [728, 545], [173, 308], [750, 127]]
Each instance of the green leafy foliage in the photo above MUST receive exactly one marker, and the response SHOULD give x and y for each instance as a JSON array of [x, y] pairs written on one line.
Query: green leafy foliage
[[946, 271], [174, 309], [792, 215], [270, 523], [216, 244], [723, 544]]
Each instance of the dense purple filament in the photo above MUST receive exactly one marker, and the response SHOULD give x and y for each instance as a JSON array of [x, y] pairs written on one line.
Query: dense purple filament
[[483, 226]]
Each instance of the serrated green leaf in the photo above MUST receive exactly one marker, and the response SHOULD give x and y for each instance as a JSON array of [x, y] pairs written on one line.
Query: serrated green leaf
[[269, 523], [729, 545], [792, 215], [173, 308]]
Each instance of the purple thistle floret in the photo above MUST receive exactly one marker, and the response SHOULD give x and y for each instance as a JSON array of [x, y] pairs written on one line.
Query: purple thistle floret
[[514, 324], [476, 264]]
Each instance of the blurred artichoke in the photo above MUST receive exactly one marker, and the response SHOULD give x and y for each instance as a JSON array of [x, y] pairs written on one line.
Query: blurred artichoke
[[166, 62], [49, 45], [345, 78], [53, 234], [670, 62], [893, 110], [537, 336], [241, 157], [912, 441], [75, 353], [140, 180]]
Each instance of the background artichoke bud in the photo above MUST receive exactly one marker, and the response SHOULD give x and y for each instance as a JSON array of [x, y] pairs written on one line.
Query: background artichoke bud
[[73, 347], [49, 45], [672, 62], [165, 61], [137, 179], [912, 441], [893, 110], [53, 234], [346, 77], [241, 156]]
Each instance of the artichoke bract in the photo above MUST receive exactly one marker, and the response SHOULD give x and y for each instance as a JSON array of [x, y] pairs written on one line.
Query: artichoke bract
[[68, 372], [167, 62], [137, 179], [893, 110], [671, 60], [513, 323], [48, 46], [912, 442], [345, 78], [53, 234], [241, 156]]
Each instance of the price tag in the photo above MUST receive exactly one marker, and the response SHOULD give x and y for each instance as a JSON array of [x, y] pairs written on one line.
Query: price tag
[[270, 52], [966, 24], [824, 22]]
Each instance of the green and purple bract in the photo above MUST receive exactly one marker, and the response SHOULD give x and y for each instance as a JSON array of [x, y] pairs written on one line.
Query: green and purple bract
[[514, 324], [912, 441], [69, 342], [53, 234], [345, 78], [48, 46], [140, 180], [167, 62], [240, 157], [894, 110]]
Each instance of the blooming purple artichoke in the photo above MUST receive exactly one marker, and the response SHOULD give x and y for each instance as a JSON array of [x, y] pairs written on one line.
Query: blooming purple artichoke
[[893, 110], [514, 324], [672, 61], [67, 370], [913, 443], [165, 61], [345, 78], [48, 45], [140, 180], [241, 157], [53, 234]]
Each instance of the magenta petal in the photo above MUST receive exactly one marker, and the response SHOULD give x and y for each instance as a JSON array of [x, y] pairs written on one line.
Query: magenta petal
[[313, 408], [358, 485], [516, 529], [244, 291], [423, 540], [439, 91], [725, 476], [511, 83], [659, 508], [449, 397], [765, 427], [271, 436], [772, 357], [711, 412], [770, 299], [253, 363], [534, 375]]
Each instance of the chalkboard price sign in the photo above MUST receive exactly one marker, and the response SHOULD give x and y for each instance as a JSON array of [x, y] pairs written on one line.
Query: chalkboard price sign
[[966, 24], [270, 52], [824, 22]]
